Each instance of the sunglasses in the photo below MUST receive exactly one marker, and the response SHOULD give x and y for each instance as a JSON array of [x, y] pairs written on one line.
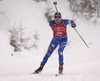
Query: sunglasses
[[57, 19]]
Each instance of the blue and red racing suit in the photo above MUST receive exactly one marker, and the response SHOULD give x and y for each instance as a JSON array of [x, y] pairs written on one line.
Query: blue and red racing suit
[[59, 38]]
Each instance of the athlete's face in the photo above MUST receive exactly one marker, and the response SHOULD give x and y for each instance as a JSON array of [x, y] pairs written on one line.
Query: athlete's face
[[57, 20]]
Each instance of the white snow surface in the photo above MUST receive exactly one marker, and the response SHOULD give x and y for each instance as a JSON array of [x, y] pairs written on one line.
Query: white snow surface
[[80, 63]]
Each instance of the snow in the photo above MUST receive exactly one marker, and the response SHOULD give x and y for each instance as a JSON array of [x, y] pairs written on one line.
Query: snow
[[80, 63]]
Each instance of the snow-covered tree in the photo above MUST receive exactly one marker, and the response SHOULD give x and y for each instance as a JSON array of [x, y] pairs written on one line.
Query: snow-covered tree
[[88, 8], [19, 42]]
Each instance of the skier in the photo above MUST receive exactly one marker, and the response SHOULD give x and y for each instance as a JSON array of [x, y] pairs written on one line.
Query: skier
[[59, 27]]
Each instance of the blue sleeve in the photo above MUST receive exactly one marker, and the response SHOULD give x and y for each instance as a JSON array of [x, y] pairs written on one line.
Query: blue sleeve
[[72, 22], [69, 22], [51, 24]]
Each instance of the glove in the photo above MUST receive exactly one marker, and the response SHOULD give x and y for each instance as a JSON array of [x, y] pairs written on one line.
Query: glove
[[73, 25]]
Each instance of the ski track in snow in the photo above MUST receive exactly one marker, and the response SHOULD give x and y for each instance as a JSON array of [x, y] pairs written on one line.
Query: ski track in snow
[[52, 77]]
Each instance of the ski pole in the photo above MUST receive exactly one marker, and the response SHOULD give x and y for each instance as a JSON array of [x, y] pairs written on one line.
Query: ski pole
[[55, 3], [82, 38]]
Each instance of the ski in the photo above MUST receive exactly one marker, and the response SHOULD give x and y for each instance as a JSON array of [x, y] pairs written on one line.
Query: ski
[[48, 74], [35, 73]]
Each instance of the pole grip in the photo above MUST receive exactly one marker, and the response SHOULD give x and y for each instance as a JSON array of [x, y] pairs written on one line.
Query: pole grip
[[55, 3]]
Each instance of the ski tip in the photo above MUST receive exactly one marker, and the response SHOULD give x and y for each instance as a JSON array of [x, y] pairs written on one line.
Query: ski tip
[[34, 73], [89, 47]]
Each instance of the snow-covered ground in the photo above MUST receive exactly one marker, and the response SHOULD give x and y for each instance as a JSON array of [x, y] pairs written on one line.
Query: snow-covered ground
[[80, 63]]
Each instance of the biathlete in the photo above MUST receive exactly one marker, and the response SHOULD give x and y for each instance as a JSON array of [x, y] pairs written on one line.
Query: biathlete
[[59, 27]]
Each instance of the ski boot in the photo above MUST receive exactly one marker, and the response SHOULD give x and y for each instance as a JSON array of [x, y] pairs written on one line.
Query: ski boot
[[60, 68], [39, 69]]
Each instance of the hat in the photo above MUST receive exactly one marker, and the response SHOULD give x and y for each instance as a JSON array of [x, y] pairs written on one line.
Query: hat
[[57, 15]]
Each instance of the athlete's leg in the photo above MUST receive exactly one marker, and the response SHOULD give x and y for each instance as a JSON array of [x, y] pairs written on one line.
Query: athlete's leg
[[62, 45], [51, 48]]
